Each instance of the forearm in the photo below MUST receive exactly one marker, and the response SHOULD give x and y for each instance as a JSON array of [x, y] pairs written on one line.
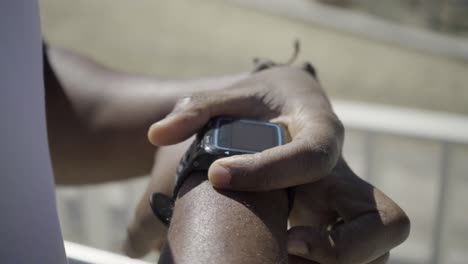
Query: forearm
[[98, 118], [213, 226], [104, 98]]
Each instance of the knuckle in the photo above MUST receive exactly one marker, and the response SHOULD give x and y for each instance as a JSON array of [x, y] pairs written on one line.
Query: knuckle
[[338, 126], [196, 105], [336, 132], [323, 148], [315, 157], [183, 103], [191, 102], [396, 222], [402, 225]]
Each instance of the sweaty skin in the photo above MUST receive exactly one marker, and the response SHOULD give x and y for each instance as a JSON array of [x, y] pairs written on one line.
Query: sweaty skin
[[217, 226]]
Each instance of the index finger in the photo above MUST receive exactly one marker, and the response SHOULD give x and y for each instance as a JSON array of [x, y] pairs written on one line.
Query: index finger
[[372, 224]]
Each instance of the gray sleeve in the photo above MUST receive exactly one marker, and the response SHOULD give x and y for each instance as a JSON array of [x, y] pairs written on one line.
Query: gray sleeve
[[29, 227]]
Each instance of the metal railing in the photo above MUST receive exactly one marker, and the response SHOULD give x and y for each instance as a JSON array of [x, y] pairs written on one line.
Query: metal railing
[[80, 254], [447, 129], [97, 215], [363, 25]]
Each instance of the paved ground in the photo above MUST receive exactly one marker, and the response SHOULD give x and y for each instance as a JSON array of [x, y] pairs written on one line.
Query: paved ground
[[184, 38]]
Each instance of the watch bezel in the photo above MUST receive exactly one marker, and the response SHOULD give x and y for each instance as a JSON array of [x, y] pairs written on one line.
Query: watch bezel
[[211, 138]]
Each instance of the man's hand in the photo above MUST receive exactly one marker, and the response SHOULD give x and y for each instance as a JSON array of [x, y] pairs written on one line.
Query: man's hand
[[339, 219], [285, 95], [370, 223], [343, 219]]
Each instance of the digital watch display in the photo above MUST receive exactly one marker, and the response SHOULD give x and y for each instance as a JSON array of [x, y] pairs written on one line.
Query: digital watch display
[[246, 136], [221, 137]]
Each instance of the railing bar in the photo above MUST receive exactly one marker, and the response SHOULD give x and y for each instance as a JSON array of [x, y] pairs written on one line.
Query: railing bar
[[369, 156], [403, 121], [364, 25], [441, 210]]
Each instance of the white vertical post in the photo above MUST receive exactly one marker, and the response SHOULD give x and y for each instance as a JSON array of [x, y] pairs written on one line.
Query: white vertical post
[[95, 216], [440, 227], [369, 146]]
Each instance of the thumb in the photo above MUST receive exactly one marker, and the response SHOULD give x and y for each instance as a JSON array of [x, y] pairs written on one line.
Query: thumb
[[192, 113]]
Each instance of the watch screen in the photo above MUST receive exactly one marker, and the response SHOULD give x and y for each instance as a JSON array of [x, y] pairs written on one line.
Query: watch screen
[[246, 135]]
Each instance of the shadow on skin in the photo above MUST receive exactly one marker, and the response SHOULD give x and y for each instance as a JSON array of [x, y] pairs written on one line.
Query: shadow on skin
[[344, 219]]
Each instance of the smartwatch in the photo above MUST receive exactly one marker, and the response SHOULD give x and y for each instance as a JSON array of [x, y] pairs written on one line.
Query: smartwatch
[[221, 137]]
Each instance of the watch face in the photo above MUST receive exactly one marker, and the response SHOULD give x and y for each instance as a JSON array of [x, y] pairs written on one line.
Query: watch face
[[246, 136]]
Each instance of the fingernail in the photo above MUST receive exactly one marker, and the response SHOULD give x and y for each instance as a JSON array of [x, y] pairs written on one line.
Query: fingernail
[[219, 176], [297, 247]]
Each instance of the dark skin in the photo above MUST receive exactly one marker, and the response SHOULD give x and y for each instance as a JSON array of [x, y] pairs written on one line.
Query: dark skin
[[250, 217], [371, 222], [81, 150], [98, 118], [218, 226], [94, 113]]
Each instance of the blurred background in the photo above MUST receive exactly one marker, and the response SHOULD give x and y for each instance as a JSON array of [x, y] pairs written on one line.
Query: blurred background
[[397, 73]]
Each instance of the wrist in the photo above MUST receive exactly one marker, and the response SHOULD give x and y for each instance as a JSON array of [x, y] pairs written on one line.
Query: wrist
[[217, 226]]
